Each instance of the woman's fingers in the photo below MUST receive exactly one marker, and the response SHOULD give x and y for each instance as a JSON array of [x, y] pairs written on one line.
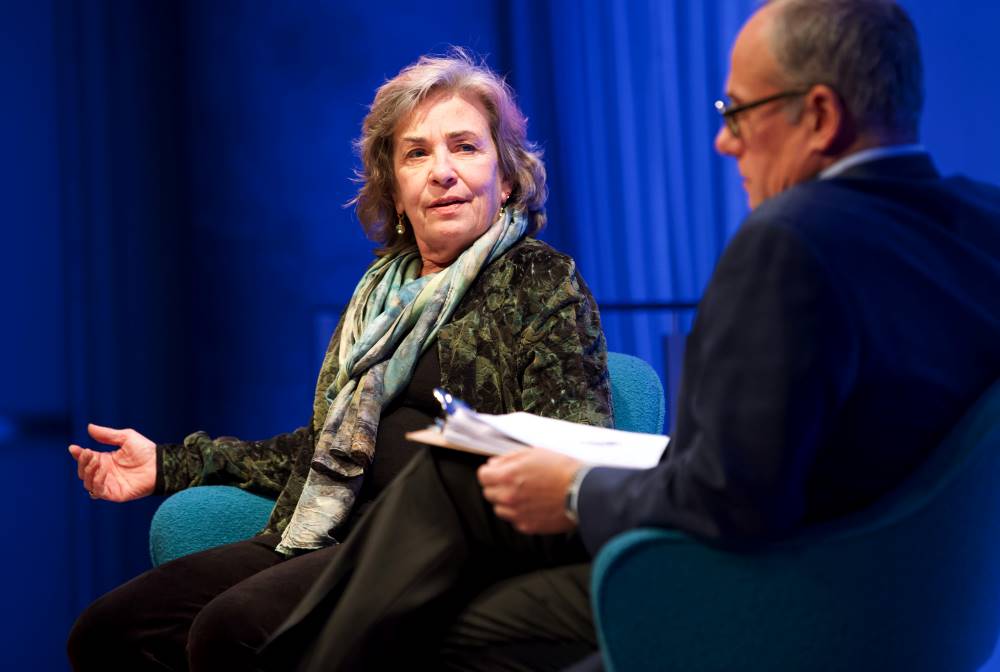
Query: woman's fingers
[[100, 487], [94, 467], [80, 456], [87, 476], [107, 435], [83, 458], [90, 471]]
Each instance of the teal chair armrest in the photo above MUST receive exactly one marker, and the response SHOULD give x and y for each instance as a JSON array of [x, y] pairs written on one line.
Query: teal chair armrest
[[204, 517]]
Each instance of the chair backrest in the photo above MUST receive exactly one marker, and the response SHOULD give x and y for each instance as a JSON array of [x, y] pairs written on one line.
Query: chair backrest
[[911, 583], [636, 394]]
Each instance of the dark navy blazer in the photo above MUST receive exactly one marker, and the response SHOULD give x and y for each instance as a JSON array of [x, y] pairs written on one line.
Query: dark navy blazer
[[847, 326]]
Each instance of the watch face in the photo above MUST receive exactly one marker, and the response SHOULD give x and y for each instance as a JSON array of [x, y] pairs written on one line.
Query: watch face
[[573, 494]]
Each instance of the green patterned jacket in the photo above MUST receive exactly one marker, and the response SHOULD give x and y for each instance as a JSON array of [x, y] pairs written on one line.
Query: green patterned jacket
[[526, 337]]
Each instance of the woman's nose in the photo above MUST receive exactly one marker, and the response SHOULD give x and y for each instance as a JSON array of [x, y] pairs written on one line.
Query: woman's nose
[[442, 171]]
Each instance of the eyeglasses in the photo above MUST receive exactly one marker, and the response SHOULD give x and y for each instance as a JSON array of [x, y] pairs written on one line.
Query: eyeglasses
[[729, 112]]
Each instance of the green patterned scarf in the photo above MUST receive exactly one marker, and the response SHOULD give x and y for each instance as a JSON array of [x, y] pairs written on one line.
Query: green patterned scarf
[[391, 320]]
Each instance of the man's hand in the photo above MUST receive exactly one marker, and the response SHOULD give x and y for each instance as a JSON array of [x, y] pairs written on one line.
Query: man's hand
[[528, 489], [120, 475]]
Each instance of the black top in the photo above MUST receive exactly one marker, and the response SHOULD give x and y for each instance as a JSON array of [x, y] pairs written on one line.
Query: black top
[[414, 408]]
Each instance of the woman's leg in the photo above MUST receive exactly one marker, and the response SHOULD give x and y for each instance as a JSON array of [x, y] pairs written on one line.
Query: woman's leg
[[429, 544], [227, 632], [143, 624]]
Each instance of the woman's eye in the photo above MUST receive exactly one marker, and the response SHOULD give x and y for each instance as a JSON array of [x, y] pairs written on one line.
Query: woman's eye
[[415, 153], [466, 147]]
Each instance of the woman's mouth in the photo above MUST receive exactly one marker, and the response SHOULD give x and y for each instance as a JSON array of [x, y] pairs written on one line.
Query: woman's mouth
[[446, 206]]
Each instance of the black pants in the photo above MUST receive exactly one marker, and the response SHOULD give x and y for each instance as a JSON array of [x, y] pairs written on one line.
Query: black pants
[[430, 577], [206, 611]]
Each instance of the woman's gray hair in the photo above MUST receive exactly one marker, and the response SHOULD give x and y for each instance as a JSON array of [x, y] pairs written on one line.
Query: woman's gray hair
[[520, 161], [866, 50]]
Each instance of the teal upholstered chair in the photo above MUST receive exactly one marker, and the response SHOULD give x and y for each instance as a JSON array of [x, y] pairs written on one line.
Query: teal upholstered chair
[[203, 517], [636, 394], [911, 584]]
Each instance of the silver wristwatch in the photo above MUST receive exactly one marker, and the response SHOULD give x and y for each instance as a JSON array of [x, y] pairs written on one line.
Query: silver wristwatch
[[573, 494]]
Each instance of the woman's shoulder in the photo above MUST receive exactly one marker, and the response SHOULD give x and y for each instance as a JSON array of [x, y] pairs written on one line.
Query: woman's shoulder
[[531, 259], [529, 273], [531, 249]]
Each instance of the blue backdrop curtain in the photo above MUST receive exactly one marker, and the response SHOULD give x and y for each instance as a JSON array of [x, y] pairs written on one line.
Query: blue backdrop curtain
[[123, 226], [93, 294], [621, 93], [177, 247]]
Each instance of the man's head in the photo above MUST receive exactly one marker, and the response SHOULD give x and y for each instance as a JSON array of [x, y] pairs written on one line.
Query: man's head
[[852, 77]]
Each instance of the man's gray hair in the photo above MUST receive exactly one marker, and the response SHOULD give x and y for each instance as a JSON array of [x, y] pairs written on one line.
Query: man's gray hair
[[866, 50]]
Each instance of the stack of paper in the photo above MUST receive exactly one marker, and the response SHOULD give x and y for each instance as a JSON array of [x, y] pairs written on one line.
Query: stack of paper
[[464, 429]]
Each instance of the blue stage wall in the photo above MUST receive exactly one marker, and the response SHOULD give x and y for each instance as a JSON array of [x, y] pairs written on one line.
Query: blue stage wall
[[176, 244]]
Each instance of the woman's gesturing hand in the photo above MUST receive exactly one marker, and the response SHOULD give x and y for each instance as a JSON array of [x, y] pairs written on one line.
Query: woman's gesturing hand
[[119, 475]]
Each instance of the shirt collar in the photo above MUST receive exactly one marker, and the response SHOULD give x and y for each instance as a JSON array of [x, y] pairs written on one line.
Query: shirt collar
[[871, 154]]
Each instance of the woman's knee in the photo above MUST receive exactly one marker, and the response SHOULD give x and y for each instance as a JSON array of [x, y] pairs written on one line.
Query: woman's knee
[[226, 634], [81, 645], [104, 634]]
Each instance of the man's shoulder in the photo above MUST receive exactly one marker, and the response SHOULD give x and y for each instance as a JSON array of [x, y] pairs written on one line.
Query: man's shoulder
[[982, 193], [900, 179], [853, 203], [862, 228], [818, 199], [814, 209]]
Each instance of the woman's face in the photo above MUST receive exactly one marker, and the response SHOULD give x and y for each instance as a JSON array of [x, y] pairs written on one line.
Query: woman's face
[[447, 177]]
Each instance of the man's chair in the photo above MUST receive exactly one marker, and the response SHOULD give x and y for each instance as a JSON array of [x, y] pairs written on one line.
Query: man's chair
[[912, 583], [207, 516]]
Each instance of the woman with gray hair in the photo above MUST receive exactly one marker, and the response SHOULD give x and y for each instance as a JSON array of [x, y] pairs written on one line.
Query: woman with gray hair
[[460, 295]]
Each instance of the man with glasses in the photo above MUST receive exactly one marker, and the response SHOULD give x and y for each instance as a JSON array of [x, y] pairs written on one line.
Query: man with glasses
[[848, 325]]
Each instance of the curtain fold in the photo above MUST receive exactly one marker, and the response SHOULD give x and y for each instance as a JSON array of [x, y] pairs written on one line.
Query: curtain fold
[[639, 196], [122, 223]]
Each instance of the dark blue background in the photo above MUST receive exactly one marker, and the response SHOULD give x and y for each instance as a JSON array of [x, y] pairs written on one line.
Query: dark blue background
[[175, 245]]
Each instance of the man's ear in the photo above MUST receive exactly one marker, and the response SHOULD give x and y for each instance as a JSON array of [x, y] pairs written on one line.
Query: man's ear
[[831, 127]]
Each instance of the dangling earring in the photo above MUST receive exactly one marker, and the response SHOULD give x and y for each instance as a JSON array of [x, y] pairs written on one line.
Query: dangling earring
[[503, 206], [400, 229]]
